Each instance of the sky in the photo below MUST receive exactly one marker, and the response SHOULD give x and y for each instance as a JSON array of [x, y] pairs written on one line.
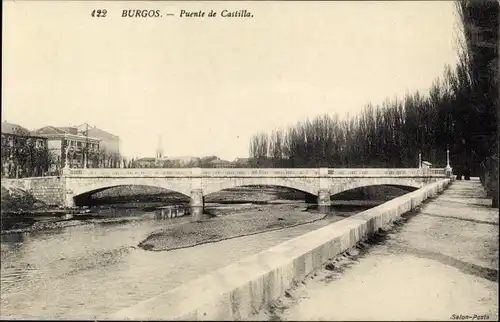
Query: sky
[[206, 85]]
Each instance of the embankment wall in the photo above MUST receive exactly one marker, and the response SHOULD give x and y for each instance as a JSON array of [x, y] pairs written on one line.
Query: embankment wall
[[242, 289], [49, 190]]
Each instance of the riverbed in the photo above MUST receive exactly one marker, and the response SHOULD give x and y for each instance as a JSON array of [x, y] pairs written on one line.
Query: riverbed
[[90, 268], [90, 271]]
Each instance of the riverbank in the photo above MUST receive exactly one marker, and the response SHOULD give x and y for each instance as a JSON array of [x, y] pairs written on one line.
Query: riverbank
[[41, 271], [15, 200], [46, 224], [442, 264], [21, 212]]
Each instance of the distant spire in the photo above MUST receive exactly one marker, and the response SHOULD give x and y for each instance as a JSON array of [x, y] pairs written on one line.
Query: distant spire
[[159, 149]]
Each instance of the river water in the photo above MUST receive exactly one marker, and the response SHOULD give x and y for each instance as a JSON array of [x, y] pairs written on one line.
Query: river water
[[90, 271]]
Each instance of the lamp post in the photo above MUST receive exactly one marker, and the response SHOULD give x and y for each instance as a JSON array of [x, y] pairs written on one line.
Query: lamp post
[[448, 170], [420, 160], [86, 157], [66, 161]]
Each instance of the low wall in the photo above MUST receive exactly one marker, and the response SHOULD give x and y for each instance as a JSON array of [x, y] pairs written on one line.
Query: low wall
[[242, 289], [46, 189]]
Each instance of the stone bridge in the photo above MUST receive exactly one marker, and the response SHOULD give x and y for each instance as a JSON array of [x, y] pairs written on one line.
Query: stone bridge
[[199, 182]]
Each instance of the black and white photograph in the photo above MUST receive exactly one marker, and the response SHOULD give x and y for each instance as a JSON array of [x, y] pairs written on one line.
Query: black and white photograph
[[250, 160]]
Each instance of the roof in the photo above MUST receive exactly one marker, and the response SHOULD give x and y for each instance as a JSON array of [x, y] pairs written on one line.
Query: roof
[[68, 129], [50, 130], [146, 159], [10, 128], [219, 161], [97, 132], [185, 159]]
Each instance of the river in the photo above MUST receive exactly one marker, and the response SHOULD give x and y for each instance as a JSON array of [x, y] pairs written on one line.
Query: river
[[90, 271]]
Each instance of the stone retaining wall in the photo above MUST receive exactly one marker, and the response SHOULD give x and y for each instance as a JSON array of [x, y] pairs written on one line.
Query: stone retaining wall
[[46, 189], [242, 289]]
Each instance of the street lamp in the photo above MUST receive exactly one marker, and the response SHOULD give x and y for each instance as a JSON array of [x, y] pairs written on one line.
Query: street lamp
[[86, 157], [66, 161], [448, 169]]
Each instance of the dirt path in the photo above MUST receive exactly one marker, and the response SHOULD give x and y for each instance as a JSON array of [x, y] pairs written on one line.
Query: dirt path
[[442, 264]]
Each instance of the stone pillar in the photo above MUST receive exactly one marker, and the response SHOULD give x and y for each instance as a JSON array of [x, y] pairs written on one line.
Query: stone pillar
[[448, 172], [197, 205], [66, 191], [197, 202], [487, 182], [324, 202], [69, 201], [494, 183]]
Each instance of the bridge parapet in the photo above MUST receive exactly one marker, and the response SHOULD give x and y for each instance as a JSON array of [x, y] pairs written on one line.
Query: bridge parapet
[[437, 171], [252, 172], [384, 172], [272, 172], [127, 172]]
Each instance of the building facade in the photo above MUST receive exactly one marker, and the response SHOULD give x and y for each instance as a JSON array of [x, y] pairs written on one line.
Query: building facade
[[145, 163], [23, 154], [67, 144], [109, 145]]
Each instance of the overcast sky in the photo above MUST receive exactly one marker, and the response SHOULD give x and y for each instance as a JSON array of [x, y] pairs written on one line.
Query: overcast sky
[[207, 84]]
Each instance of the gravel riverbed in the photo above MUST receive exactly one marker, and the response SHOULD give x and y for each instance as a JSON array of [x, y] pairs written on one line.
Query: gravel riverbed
[[242, 223]]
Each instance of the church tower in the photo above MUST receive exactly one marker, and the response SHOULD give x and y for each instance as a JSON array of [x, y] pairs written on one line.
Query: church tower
[[159, 149]]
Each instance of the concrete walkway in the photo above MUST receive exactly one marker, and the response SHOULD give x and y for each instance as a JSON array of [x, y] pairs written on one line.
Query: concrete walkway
[[442, 264]]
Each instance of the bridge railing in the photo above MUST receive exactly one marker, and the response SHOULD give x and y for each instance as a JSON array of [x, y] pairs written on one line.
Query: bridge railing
[[129, 172], [436, 171], [393, 172], [249, 172], [269, 172]]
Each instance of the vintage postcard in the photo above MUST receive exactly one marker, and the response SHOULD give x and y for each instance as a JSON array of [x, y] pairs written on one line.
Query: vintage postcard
[[249, 160]]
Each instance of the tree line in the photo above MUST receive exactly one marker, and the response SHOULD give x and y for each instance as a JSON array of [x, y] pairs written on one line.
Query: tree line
[[458, 113], [23, 157]]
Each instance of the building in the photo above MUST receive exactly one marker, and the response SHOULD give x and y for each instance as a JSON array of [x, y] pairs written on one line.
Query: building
[[81, 150], [144, 163], [159, 161], [109, 145], [219, 163], [23, 154]]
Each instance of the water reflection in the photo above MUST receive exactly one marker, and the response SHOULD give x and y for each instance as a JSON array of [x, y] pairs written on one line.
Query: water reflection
[[89, 271]]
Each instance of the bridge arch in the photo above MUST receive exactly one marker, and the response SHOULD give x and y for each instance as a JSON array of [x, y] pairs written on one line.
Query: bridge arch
[[337, 188], [90, 186], [301, 184]]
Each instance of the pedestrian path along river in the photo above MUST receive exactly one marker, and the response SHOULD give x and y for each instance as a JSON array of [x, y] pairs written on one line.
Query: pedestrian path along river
[[442, 264]]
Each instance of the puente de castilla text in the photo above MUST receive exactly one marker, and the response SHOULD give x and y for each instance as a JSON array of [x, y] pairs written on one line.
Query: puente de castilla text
[[75, 186]]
